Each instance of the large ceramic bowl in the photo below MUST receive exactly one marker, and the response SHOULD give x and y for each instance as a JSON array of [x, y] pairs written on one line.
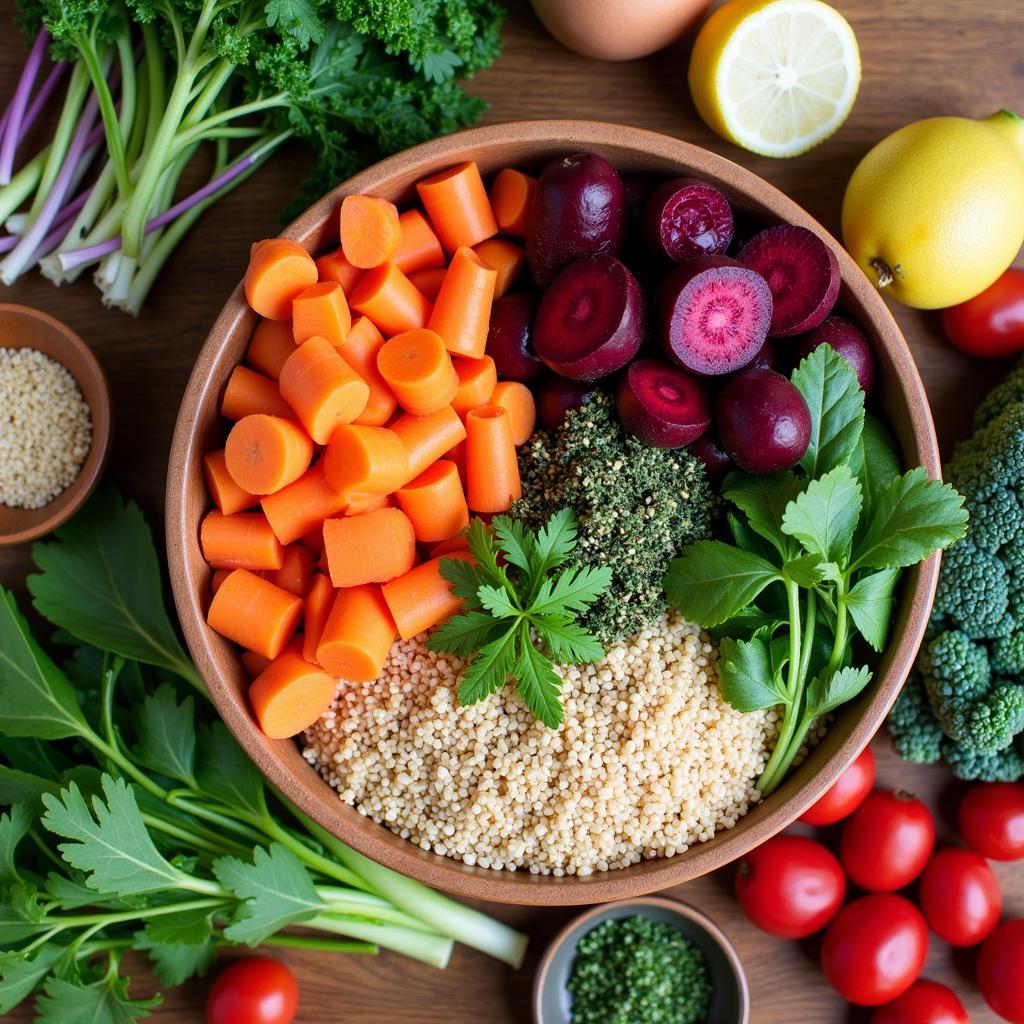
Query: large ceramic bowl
[[529, 145]]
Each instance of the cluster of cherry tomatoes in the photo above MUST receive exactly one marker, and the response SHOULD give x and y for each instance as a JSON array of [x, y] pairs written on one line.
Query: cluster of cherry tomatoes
[[875, 946]]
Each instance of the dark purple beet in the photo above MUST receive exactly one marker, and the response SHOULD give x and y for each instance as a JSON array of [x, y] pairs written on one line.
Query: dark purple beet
[[716, 459], [556, 396], [767, 358], [763, 421], [849, 342], [509, 340], [713, 314], [661, 405], [636, 189], [591, 320], [687, 217], [802, 273], [578, 209]]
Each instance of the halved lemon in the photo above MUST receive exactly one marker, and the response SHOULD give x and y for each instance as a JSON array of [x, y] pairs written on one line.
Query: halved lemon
[[777, 77]]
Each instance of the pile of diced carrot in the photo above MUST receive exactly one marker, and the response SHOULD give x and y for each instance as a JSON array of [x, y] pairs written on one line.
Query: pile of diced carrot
[[360, 447]]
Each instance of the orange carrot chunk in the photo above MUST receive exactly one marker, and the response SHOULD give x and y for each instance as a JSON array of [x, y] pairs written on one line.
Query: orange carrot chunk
[[360, 503], [272, 343], [427, 438], [369, 230], [457, 205], [289, 695], [265, 453], [390, 300], [240, 541], [360, 350], [462, 313], [217, 578], [319, 599], [435, 502], [254, 613], [366, 460], [302, 506], [505, 258], [321, 311], [334, 267], [477, 380], [249, 393], [492, 469], [418, 246], [517, 400], [253, 663], [457, 455], [429, 281], [511, 196], [419, 371], [446, 547], [224, 492], [313, 539], [278, 270], [357, 635], [296, 571], [422, 597], [369, 548]]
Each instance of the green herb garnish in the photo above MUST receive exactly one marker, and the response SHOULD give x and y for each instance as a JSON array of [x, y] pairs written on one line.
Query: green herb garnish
[[523, 624], [816, 556]]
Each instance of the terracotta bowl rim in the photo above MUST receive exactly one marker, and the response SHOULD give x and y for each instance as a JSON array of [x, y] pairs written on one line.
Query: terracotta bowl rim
[[319, 801]]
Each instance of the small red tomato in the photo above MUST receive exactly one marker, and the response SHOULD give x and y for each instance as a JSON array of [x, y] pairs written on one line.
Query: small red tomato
[[925, 1002], [887, 842], [790, 886], [1000, 970], [846, 794], [255, 990], [959, 896], [991, 325], [875, 948], [992, 819]]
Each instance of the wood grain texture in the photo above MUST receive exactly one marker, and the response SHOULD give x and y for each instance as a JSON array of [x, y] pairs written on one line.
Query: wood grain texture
[[921, 58]]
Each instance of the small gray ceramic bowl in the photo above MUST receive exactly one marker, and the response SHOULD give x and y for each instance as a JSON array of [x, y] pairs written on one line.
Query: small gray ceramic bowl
[[730, 1003]]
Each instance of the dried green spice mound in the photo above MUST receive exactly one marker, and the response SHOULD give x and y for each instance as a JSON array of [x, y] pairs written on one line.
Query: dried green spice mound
[[633, 970], [636, 506]]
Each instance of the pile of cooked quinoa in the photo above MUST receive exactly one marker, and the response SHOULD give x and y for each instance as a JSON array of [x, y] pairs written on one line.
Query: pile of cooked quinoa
[[650, 758]]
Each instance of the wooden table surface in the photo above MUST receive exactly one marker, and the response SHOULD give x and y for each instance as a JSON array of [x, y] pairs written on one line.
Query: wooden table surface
[[920, 58]]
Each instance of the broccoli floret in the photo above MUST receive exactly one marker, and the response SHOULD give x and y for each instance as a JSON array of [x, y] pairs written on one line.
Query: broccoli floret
[[916, 735], [1006, 655], [1006, 394], [1002, 766], [974, 592]]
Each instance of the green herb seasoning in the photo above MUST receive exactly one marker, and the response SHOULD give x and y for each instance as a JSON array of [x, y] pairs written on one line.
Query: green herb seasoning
[[637, 507], [632, 970]]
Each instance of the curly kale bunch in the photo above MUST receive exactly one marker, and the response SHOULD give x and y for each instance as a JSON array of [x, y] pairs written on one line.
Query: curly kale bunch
[[637, 507], [966, 701]]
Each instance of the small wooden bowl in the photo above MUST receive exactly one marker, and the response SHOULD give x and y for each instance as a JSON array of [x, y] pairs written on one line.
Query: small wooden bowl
[[24, 327], [730, 1001], [530, 144]]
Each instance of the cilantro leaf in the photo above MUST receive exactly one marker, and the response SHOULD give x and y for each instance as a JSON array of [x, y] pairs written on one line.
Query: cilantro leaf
[[517, 545], [490, 669], [463, 577], [870, 602], [175, 963], [555, 542], [182, 928], [21, 975], [463, 634], [298, 18], [21, 915], [537, 682], [24, 787], [14, 826], [824, 517], [103, 1002], [574, 589], [225, 772], [498, 602], [166, 734], [876, 462], [828, 690], [806, 570], [763, 499], [483, 548], [568, 642], [747, 676]]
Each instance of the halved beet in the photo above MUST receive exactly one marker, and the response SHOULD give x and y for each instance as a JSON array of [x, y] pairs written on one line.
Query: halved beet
[[716, 459], [509, 339], [713, 314], [556, 396], [661, 405], [687, 217], [578, 209], [591, 320], [802, 273], [766, 359], [849, 342]]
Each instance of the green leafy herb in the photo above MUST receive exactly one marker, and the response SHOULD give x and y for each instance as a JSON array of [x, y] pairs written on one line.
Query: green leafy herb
[[519, 624]]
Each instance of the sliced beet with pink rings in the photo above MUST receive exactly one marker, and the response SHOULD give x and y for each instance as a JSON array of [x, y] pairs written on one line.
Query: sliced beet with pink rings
[[849, 342], [802, 273], [591, 320], [687, 217], [661, 405], [713, 314]]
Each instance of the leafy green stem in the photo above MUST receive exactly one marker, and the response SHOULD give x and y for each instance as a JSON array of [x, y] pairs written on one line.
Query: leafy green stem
[[841, 642]]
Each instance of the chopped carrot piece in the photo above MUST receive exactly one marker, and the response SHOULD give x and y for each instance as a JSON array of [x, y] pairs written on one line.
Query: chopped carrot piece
[[422, 597], [265, 453], [360, 350], [390, 300], [429, 281], [446, 547], [369, 230], [272, 343], [457, 455], [321, 311], [360, 503], [296, 571], [358, 634], [302, 506], [254, 663], [369, 548], [334, 267], [241, 541], [278, 270], [462, 313], [217, 578], [511, 196], [418, 247], [457, 205], [224, 492], [435, 502], [477, 380], [505, 258], [319, 599], [517, 400], [427, 438], [366, 460], [314, 539], [290, 694], [254, 613], [249, 393], [419, 371], [491, 465]]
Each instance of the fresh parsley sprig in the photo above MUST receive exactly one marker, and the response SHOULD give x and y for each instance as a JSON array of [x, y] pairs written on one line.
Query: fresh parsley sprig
[[524, 623]]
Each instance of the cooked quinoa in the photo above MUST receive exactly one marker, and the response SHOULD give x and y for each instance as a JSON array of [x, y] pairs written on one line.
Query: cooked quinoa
[[45, 428], [650, 758]]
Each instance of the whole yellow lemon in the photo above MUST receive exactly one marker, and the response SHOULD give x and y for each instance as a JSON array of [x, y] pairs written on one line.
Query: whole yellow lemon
[[935, 212]]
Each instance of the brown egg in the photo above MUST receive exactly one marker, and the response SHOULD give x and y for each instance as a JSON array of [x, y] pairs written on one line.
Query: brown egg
[[618, 29]]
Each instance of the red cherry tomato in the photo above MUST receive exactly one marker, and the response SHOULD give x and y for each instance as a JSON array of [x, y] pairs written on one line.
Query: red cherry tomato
[[887, 842], [992, 819], [959, 896], [925, 1002], [846, 794], [991, 325], [875, 948], [790, 886], [1001, 970], [256, 990]]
